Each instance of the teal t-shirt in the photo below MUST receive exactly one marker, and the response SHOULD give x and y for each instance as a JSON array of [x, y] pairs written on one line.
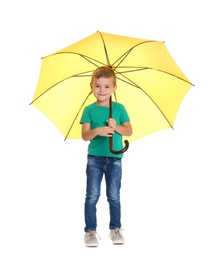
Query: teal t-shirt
[[97, 116]]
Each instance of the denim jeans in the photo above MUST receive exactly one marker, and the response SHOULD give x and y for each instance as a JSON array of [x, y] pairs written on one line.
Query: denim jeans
[[111, 168]]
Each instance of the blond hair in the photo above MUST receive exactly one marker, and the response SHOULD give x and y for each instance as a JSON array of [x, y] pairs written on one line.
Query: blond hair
[[104, 72]]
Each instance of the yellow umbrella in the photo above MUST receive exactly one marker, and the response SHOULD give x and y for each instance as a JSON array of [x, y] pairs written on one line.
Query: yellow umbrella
[[149, 82]]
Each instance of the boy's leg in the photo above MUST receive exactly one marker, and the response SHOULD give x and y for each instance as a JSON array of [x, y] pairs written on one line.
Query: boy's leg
[[94, 173], [113, 176]]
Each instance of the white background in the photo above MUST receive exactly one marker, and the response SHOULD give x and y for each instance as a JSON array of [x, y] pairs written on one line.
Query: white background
[[167, 191]]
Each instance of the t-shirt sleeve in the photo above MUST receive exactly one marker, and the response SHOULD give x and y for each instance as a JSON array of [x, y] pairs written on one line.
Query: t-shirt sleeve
[[85, 116], [124, 115]]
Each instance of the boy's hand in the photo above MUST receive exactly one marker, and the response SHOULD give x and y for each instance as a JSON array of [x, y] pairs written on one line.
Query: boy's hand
[[105, 131], [112, 123]]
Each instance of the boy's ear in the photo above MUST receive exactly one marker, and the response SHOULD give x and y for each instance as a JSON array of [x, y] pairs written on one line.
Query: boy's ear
[[115, 88]]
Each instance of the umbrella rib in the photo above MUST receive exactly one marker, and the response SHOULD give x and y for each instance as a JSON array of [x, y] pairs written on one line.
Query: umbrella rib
[[149, 68], [105, 49], [77, 115], [135, 85], [122, 57], [132, 83], [77, 75], [88, 58], [49, 89]]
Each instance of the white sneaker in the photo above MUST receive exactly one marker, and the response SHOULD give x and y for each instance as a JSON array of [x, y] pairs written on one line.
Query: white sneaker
[[117, 236], [90, 239]]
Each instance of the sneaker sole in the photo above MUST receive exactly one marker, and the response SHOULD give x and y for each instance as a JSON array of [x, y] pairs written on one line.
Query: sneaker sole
[[118, 242], [92, 245]]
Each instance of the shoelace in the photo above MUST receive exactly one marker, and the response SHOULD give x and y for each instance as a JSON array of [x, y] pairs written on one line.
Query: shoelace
[[115, 232], [93, 234]]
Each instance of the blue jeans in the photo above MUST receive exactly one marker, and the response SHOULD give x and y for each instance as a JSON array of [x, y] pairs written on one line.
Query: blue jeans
[[111, 168]]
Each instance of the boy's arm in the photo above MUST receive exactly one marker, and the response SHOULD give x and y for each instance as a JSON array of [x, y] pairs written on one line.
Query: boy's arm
[[89, 134], [125, 129]]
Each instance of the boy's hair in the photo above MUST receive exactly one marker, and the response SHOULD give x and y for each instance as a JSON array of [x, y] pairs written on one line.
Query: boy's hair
[[104, 72]]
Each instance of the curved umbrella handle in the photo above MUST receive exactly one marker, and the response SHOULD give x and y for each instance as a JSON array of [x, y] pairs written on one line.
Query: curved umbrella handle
[[111, 138], [119, 151]]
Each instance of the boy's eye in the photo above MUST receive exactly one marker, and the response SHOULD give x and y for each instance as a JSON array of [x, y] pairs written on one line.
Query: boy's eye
[[97, 86]]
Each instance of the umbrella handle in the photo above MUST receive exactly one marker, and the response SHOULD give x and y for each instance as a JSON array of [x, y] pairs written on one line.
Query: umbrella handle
[[119, 151], [111, 138]]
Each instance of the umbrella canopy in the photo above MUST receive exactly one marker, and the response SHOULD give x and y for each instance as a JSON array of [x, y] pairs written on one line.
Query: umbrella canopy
[[149, 82]]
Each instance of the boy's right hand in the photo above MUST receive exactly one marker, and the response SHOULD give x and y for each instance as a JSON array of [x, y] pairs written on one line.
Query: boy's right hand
[[106, 131]]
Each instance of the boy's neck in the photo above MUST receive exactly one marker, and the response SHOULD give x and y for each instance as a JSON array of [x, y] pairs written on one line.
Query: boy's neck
[[104, 104]]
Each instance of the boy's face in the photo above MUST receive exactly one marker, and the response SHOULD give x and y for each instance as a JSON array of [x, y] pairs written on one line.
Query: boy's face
[[102, 89]]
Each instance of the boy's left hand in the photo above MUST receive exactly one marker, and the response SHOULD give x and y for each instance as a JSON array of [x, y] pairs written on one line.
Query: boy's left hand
[[111, 123]]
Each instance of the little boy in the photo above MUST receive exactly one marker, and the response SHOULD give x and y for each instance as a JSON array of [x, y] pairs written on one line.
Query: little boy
[[97, 128]]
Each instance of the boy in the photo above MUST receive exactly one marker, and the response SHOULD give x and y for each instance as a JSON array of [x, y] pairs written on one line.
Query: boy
[[97, 127]]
